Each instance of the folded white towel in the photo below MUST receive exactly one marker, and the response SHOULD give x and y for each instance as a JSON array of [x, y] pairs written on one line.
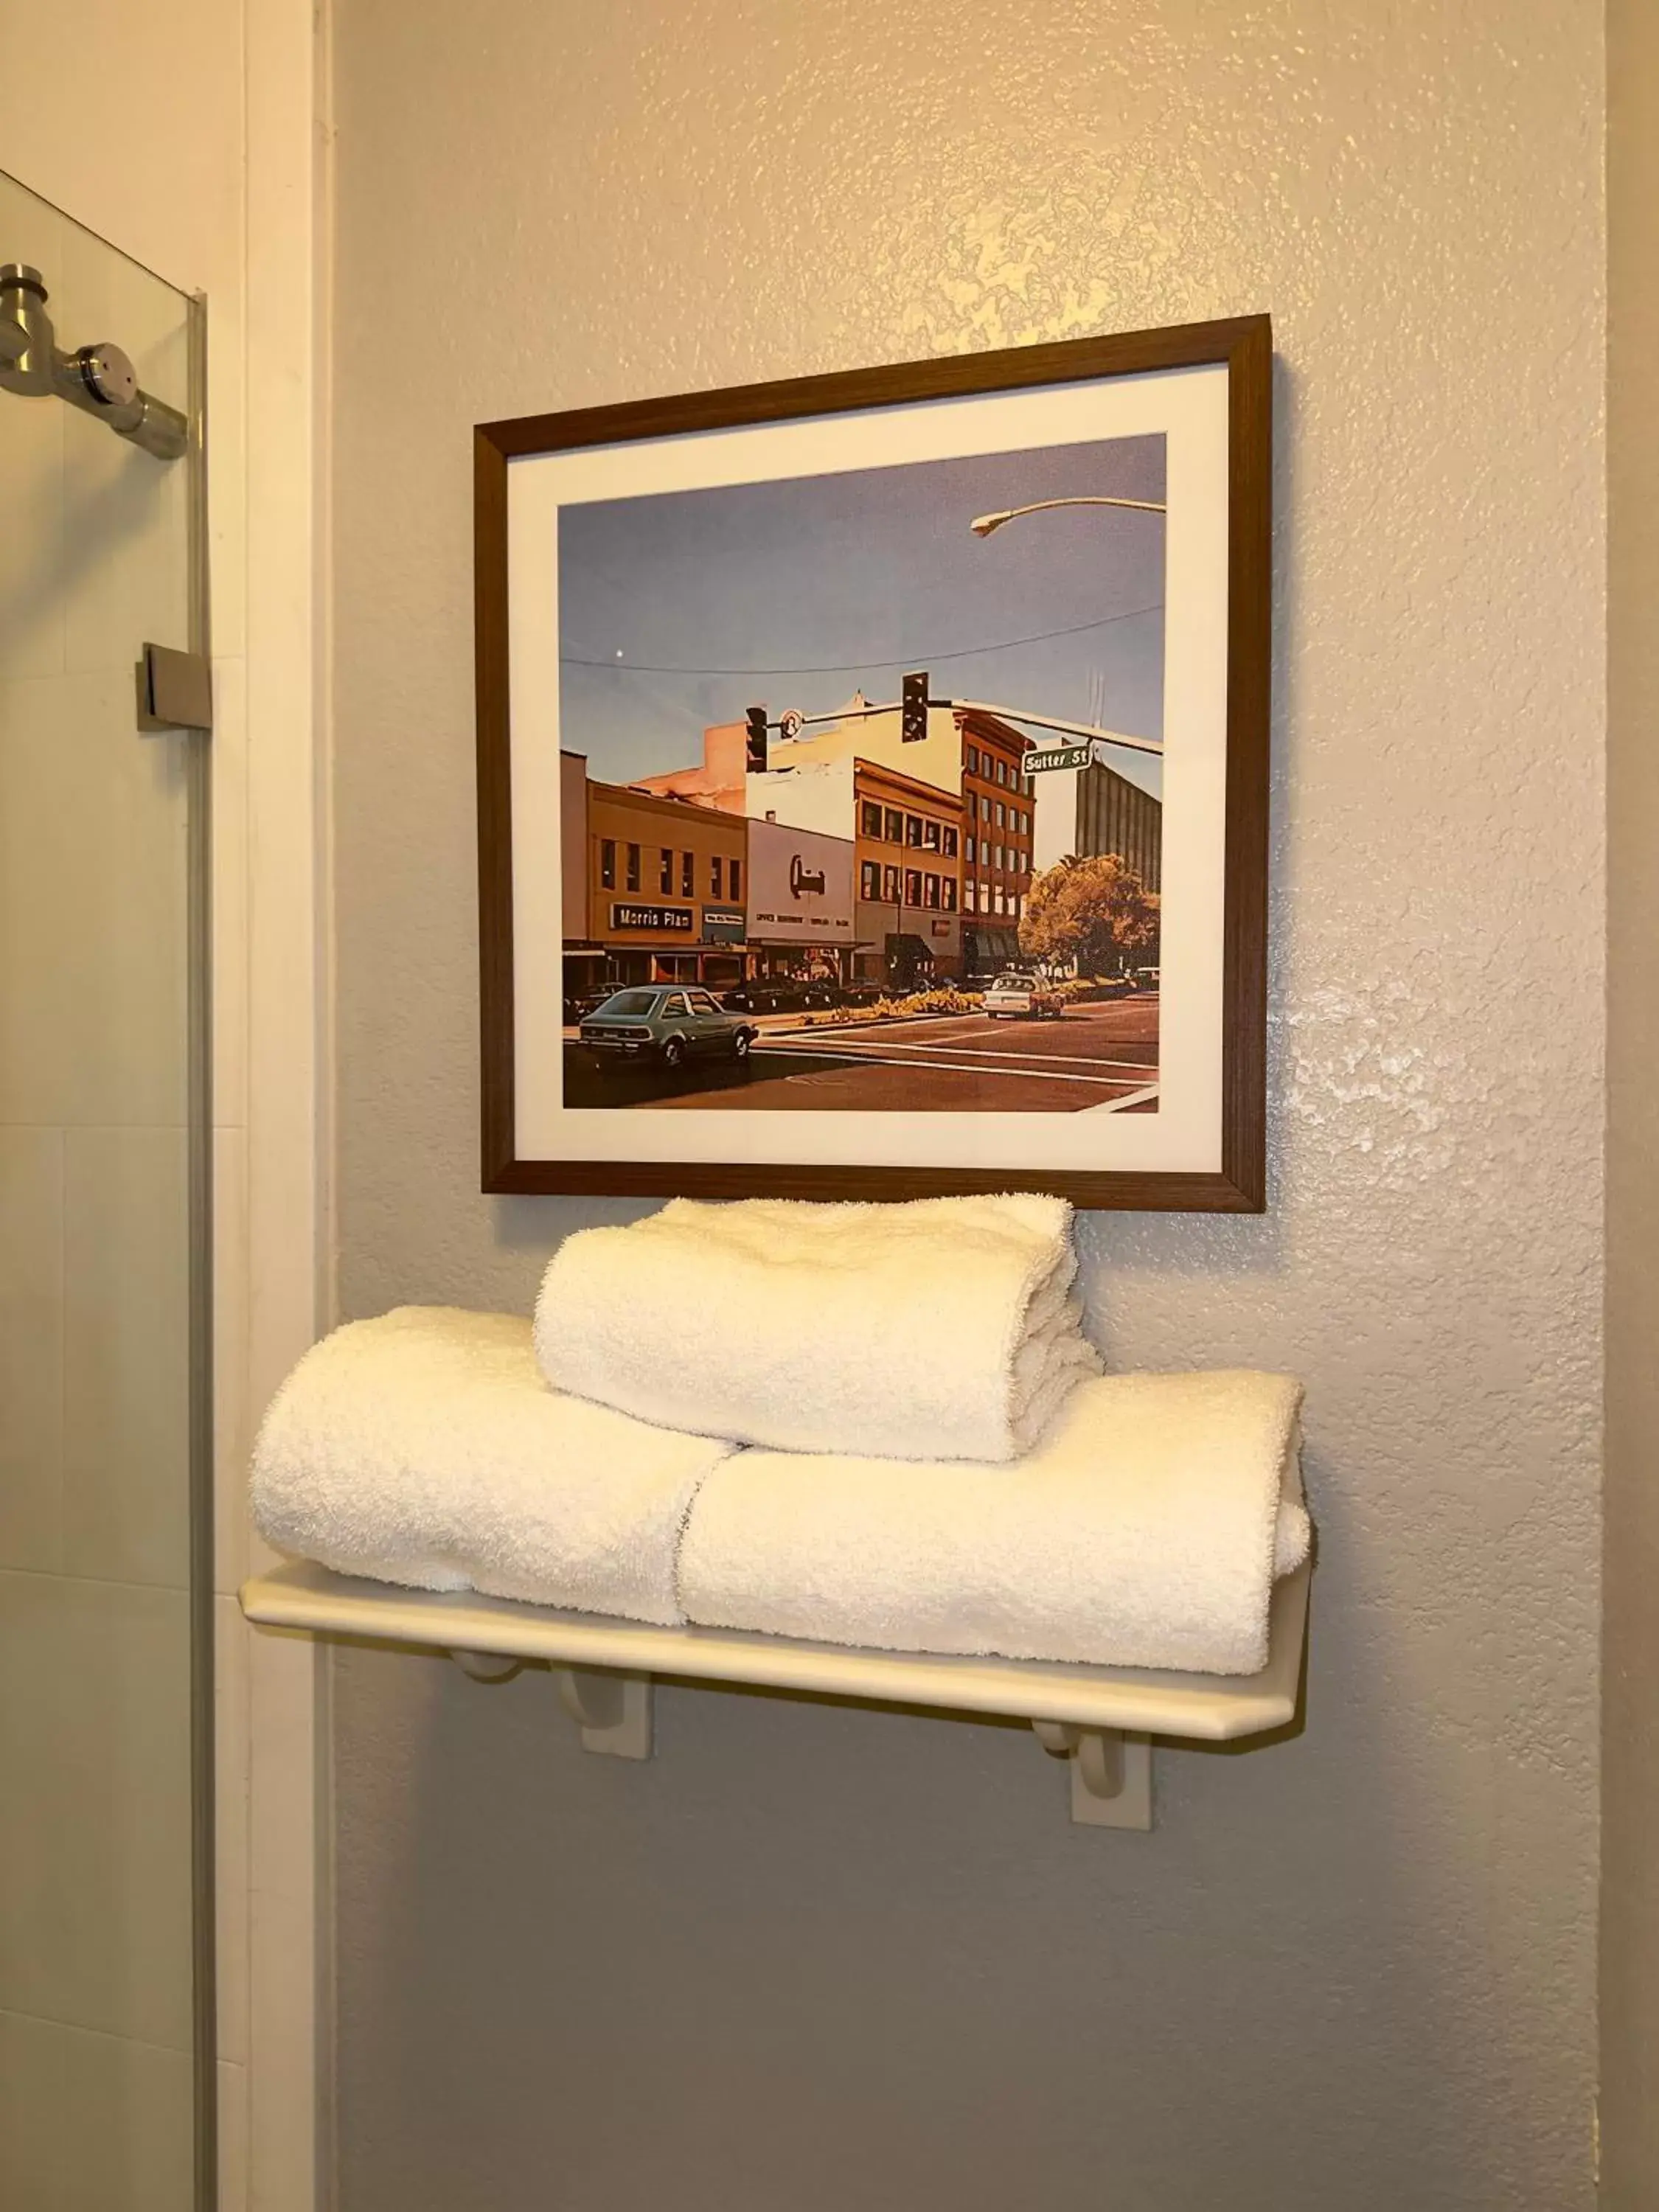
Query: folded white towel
[[424, 1447], [943, 1328], [1145, 1530]]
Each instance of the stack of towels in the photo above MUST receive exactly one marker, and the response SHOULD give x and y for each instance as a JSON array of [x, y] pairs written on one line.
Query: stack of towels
[[865, 1424]]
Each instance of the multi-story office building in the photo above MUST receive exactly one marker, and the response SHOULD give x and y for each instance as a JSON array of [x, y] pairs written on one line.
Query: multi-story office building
[[1116, 815], [801, 913], [948, 903], [909, 851], [999, 816], [665, 886], [906, 851]]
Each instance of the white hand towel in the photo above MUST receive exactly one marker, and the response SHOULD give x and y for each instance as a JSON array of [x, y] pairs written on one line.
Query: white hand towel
[[1145, 1530], [936, 1329], [424, 1447]]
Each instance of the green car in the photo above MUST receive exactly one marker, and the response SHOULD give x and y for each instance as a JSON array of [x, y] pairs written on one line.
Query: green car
[[665, 1023]]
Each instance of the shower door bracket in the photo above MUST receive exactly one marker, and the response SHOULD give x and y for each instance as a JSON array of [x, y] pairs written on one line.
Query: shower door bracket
[[175, 690], [1111, 1773]]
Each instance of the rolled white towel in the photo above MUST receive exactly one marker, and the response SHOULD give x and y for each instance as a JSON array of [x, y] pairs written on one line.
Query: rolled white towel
[[1145, 1530], [939, 1329], [424, 1447]]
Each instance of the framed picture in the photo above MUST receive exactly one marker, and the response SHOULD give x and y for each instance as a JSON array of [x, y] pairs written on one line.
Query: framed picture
[[873, 781]]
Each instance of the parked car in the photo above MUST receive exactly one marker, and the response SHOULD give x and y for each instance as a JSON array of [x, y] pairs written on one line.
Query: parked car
[[1146, 979], [779, 994], [663, 1023], [1016, 995], [578, 1005]]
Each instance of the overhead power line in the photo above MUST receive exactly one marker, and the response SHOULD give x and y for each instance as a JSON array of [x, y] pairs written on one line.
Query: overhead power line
[[852, 667]]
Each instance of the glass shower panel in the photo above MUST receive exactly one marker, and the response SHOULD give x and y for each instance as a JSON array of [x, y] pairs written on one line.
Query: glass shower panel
[[105, 1977]]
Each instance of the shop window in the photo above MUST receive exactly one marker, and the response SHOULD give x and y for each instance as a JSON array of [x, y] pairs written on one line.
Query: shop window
[[949, 841], [948, 888], [734, 875], [688, 879], [608, 863], [633, 867], [913, 828], [715, 875], [869, 816], [930, 834], [666, 874], [889, 886], [930, 892], [895, 822], [913, 887], [869, 879]]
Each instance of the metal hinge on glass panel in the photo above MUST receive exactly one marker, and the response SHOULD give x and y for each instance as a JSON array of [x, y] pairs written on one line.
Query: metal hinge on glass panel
[[100, 379], [175, 690]]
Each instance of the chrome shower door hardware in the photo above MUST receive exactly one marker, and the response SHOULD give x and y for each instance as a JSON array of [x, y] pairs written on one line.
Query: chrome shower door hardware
[[99, 378]]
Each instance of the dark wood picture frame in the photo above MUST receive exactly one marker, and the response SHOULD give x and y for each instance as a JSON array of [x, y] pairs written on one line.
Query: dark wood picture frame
[[1244, 346]]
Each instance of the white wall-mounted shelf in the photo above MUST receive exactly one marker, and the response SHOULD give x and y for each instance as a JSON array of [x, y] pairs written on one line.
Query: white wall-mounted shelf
[[1098, 1718]]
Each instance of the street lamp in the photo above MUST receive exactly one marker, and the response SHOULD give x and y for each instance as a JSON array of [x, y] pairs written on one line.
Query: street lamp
[[984, 524]]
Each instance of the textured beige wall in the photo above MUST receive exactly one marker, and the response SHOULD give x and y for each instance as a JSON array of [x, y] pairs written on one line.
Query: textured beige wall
[[815, 1958], [1630, 1832]]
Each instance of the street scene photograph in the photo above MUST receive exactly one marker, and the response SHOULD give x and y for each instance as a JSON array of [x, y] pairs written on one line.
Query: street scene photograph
[[861, 788]]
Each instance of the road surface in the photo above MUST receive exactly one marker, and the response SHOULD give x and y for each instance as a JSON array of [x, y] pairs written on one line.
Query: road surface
[[1092, 1057]]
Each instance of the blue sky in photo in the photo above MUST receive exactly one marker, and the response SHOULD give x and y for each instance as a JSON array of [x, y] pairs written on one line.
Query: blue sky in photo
[[679, 609]]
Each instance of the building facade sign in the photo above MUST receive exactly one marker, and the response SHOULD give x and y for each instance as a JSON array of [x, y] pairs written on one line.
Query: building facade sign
[[800, 885], [676, 919], [723, 925]]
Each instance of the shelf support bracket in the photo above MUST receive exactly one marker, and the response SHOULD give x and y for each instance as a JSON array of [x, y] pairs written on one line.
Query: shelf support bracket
[[611, 1709], [1111, 1773], [487, 1666]]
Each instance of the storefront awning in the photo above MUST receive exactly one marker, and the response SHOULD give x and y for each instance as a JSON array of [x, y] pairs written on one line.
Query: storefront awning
[[990, 944]]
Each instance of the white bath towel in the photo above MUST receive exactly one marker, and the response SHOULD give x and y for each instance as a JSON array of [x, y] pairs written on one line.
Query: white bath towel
[[943, 1328], [425, 1448], [1144, 1531]]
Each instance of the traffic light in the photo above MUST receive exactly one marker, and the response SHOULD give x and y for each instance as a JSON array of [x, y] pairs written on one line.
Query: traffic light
[[755, 717], [912, 711]]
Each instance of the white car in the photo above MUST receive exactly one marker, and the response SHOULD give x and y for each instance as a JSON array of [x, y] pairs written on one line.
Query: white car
[[1017, 996]]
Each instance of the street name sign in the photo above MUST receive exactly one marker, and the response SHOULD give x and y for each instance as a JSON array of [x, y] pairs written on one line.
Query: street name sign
[[1056, 756]]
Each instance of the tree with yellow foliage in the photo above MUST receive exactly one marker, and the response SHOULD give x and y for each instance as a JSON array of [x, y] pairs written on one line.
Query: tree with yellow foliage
[[1095, 912]]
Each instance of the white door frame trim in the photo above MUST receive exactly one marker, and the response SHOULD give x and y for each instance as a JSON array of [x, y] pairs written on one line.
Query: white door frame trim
[[290, 2151]]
